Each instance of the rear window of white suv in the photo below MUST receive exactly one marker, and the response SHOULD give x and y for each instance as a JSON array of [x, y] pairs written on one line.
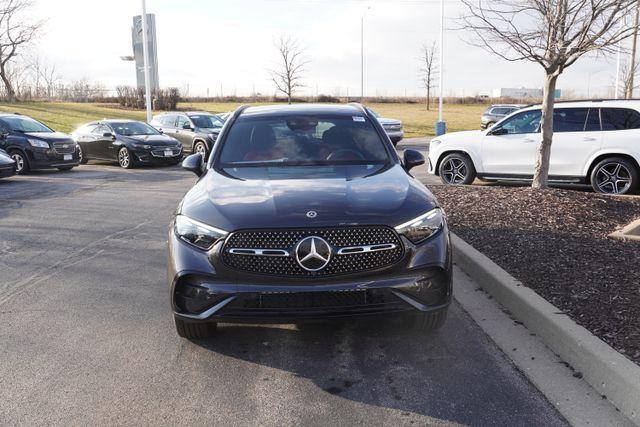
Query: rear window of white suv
[[620, 119]]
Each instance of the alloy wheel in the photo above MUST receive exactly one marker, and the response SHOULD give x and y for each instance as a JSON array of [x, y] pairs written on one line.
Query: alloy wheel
[[80, 154], [613, 178], [454, 171], [201, 149], [123, 158], [19, 161]]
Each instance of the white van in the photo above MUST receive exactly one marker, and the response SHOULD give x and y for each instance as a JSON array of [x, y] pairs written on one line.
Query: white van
[[594, 142]]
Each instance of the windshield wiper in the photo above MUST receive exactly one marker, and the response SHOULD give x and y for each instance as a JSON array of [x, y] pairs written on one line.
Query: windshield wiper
[[258, 162]]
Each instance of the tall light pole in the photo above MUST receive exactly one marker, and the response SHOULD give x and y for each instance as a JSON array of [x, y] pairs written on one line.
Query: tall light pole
[[145, 53], [362, 55], [440, 124]]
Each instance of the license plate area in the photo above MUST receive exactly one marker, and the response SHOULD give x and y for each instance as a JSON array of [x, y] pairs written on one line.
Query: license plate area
[[67, 157], [168, 153]]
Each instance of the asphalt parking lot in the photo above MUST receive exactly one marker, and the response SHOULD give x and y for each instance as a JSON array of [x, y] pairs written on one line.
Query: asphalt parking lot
[[87, 335]]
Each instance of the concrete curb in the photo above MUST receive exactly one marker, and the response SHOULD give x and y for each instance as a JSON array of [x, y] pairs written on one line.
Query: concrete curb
[[607, 371]]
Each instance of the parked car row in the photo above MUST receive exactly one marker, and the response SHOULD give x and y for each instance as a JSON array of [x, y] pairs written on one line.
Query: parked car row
[[26, 144]]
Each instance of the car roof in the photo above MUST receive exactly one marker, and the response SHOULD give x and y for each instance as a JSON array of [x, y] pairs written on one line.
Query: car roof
[[620, 103], [188, 113], [334, 109]]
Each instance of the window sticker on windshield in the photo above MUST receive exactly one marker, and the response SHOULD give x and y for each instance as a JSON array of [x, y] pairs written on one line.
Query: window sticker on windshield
[[358, 119]]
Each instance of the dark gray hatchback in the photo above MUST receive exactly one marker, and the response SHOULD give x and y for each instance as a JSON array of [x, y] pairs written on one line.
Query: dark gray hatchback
[[306, 213]]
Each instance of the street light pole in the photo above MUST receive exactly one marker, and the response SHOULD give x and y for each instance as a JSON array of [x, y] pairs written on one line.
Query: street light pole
[[145, 52], [362, 55], [441, 126]]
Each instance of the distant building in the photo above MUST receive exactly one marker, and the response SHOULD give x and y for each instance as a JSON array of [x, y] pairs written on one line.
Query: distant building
[[138, 54], [521, 93]]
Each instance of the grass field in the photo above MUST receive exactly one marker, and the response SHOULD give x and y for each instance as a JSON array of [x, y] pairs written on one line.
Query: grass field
[[66, 116]]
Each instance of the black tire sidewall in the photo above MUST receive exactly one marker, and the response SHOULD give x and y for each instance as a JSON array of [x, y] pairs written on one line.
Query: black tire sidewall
[[130, 165], [25, 161], [471, 170], [635, 179]]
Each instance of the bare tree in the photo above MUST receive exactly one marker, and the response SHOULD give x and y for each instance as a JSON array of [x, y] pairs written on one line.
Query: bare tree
[[552, 33], [16, 31], [50, 77], [628, 75], [428, 68], [633, 62], [288, 77]]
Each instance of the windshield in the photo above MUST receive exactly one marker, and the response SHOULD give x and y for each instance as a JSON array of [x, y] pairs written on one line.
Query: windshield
[[302, 140], [25, 124], [133, 128], [206, 121]]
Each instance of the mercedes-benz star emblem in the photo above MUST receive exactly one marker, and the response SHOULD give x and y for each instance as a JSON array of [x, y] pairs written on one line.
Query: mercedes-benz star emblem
[[312, 214], [313, 253]]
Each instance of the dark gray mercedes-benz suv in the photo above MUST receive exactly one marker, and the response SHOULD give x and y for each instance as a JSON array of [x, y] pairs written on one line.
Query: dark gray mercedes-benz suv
[[307, 213]]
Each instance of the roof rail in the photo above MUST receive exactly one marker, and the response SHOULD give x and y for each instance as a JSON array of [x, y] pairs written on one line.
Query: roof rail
[[565, 101]]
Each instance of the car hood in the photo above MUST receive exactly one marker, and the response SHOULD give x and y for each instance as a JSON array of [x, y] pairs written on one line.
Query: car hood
[[209, 130], [50, 136], [460, 136], [388, 197], [385, 121], [159, 140]]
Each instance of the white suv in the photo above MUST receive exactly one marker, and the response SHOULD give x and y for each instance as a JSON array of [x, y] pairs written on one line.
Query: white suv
[[594, 142]]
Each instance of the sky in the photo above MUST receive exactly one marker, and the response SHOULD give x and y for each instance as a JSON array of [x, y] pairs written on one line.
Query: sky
[[214, 46]]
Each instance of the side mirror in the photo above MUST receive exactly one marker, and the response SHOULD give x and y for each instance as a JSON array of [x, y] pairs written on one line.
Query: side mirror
[[187, 126], [498, 131], [109, 135], [193, 163], [412, 158]]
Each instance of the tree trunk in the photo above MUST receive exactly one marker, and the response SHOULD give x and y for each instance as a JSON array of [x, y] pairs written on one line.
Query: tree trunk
[[11, 93], [632, 63], [428, 96], [541, 172]]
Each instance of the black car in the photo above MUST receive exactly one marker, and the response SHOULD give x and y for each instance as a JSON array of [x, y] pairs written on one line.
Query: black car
[[33, 145], [305, 213], [196, 130], [7, 165], [130, 143]]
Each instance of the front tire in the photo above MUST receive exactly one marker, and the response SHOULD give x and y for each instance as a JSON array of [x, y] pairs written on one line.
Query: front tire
[[457, 169], [615, 175], [124, 158], [201, 148], [81, 157], [22, 162], [194, 330]]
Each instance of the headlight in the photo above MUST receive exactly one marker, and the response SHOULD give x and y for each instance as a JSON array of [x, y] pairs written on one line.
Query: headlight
[[146, 147], [38, 143], [200, 235], [422, 227]]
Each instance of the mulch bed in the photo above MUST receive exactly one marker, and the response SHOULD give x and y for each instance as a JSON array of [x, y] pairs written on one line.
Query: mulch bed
[[555, 242]]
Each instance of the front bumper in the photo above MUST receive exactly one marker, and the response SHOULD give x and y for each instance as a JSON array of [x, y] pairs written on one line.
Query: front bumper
[[43, 158], [395, 136], [419, 282], [7, 171], [156, 156]]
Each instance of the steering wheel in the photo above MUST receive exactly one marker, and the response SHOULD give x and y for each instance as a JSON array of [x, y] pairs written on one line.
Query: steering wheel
[[345, 151]]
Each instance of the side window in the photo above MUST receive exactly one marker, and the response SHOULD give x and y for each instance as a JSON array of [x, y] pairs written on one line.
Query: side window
[[593, 120], [3, 127], [168, 120], [524, 122], [182, 120], [570, 119], [101, 130], [500, 111], [620, 119]]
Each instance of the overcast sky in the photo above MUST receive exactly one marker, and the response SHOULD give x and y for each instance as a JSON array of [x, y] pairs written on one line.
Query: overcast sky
[[208, 43]]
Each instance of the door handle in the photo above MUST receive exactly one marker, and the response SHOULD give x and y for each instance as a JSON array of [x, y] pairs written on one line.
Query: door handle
[[528, 140], [586, 138]]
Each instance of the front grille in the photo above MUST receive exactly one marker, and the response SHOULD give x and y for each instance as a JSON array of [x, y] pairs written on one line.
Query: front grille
[[337, 238], [64, 147], [160, 152]]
